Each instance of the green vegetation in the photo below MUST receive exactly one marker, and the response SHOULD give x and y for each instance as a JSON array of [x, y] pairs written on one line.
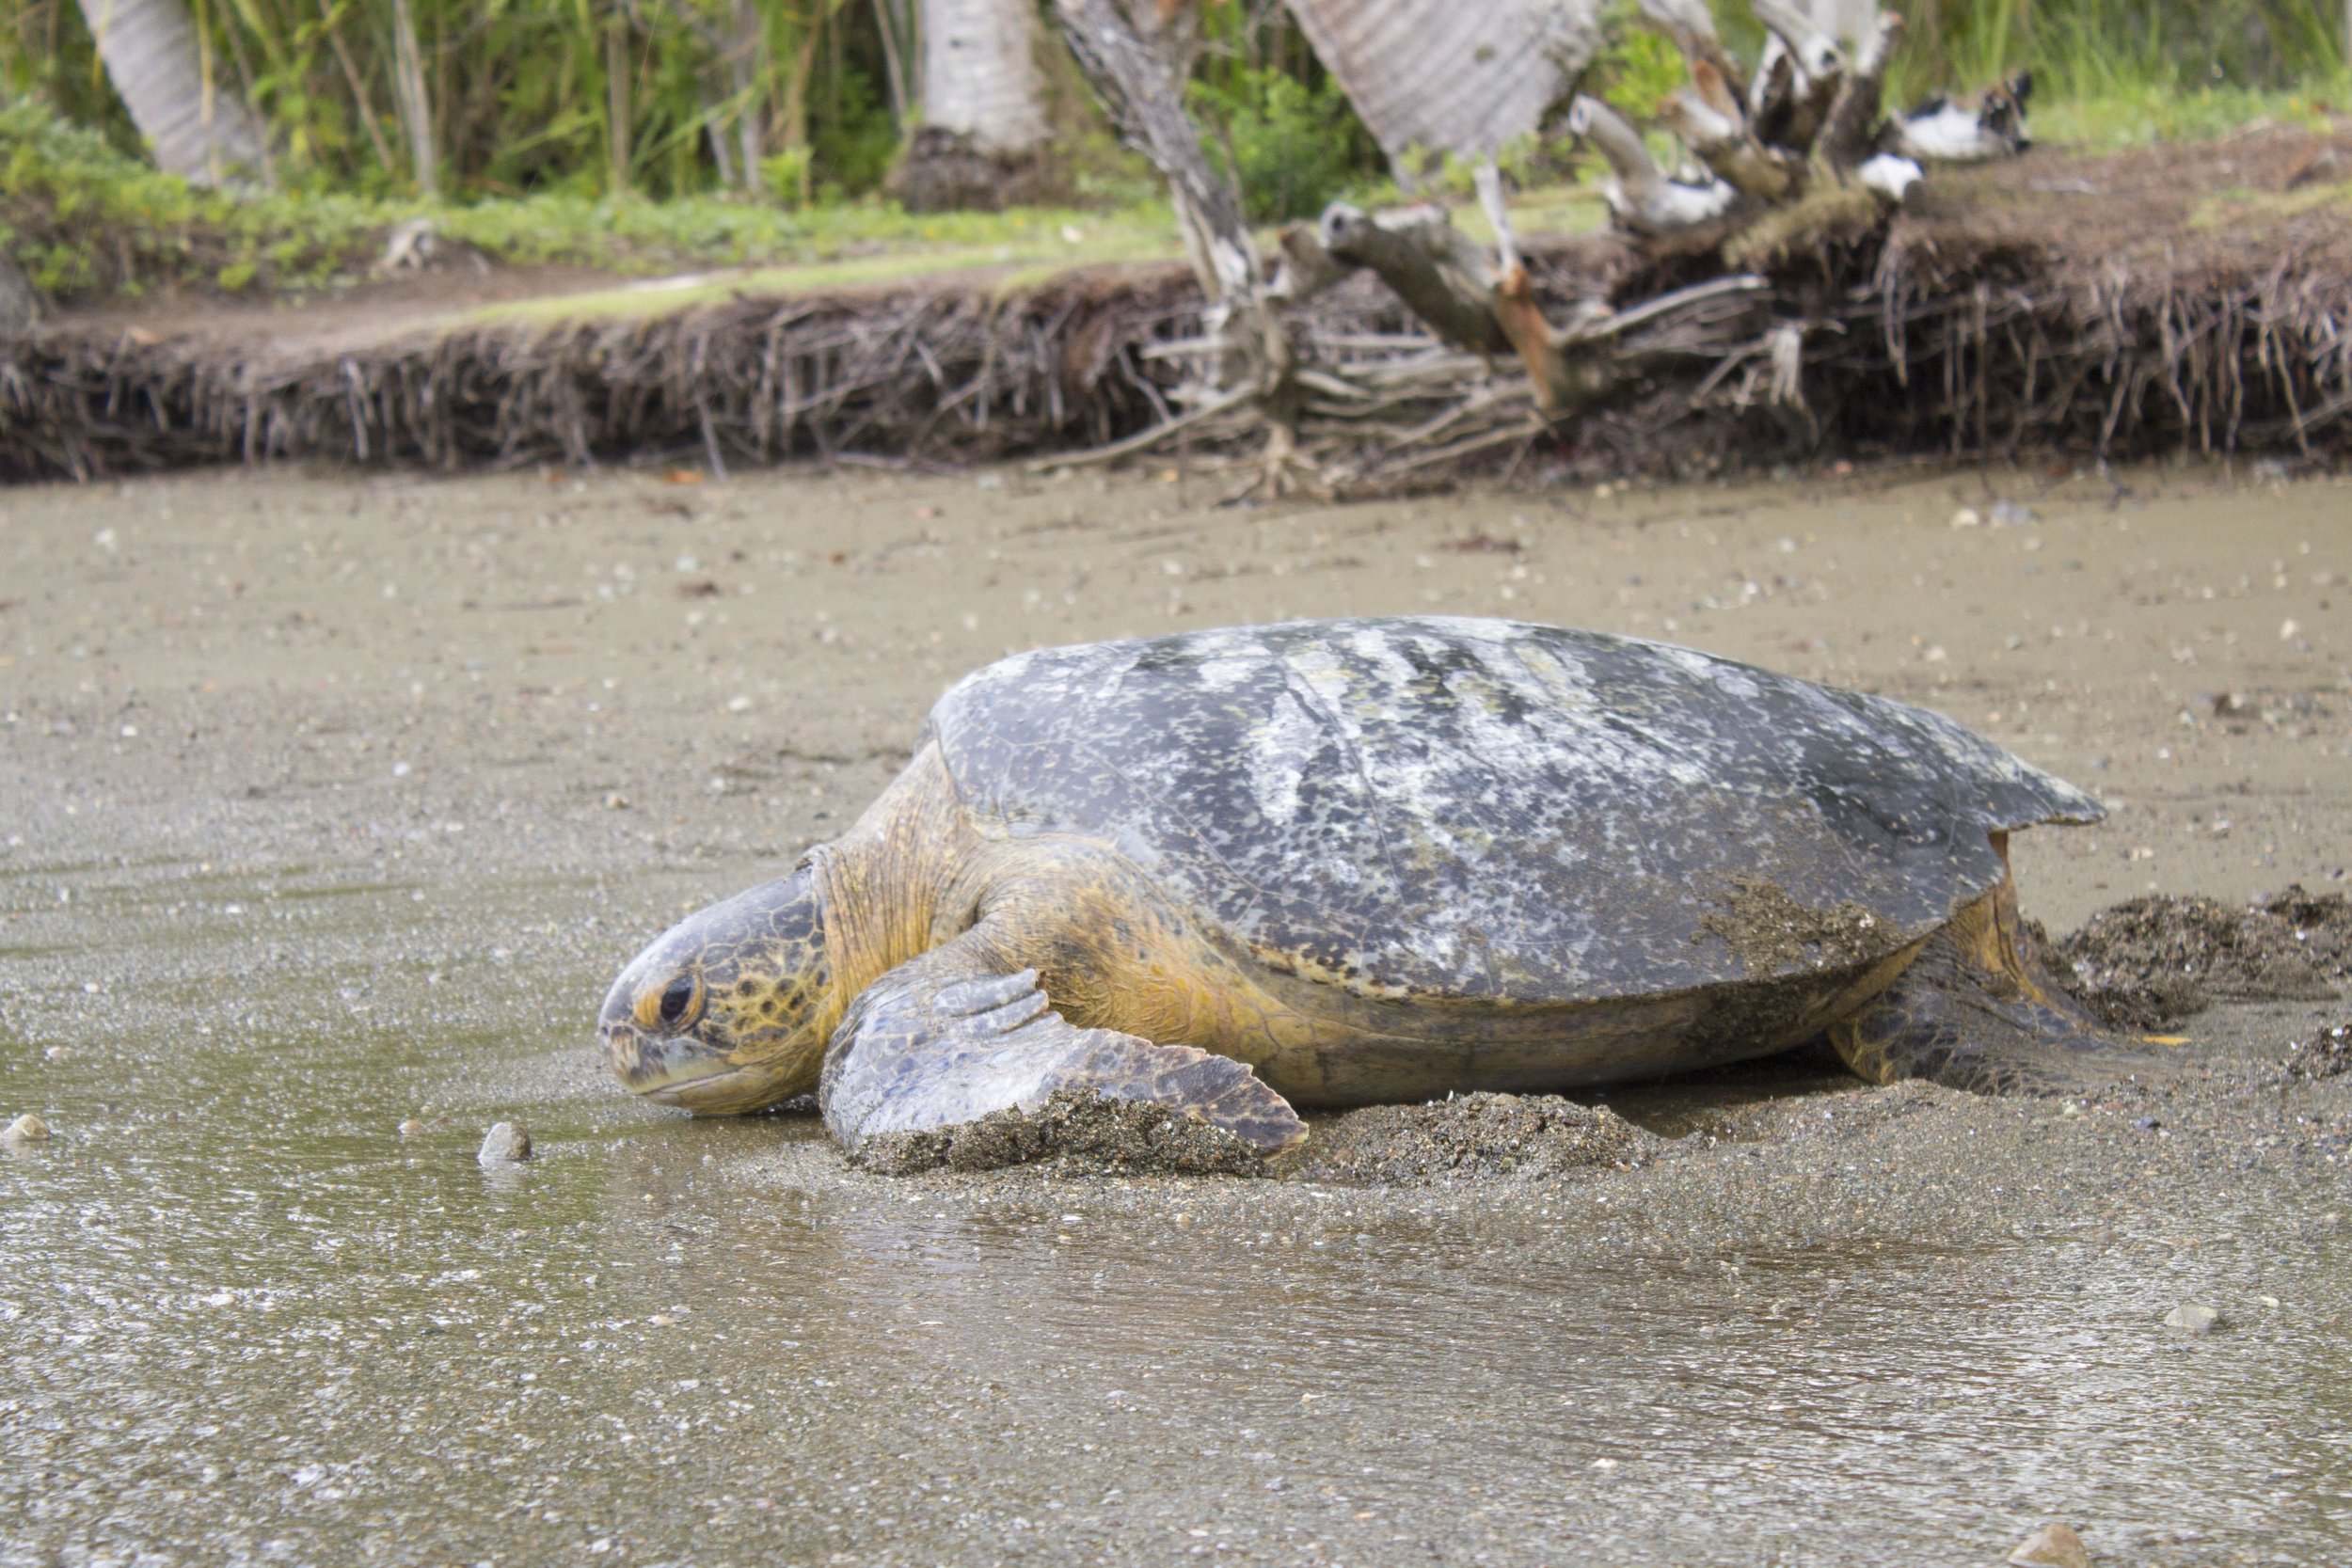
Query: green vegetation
[[648, 136], [1638, 68], [660, 98], [2118, 72], [1293, 148], [87, 220]]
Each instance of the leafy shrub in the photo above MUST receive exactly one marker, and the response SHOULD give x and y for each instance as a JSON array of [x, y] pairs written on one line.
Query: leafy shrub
[[1637, 69], [1293, 148], [786, 175], [84, 217]]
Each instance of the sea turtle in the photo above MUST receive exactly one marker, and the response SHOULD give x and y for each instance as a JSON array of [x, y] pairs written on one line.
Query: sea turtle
[[1341, 862]]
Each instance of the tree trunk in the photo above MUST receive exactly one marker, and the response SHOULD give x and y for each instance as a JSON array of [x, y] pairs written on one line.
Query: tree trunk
[[1142, 87], [414, 103], [747, 72], [982, 133], [161, 69], [1847, 21], [1465, 77], [21, 305], [899, 25], [617, 127], [979, 72]]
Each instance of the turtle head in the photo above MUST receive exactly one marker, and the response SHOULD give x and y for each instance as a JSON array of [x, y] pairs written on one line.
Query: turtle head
[[725, 1012]]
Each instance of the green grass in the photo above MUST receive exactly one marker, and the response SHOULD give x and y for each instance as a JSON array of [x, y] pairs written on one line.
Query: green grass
[[2113, 74], [2173, 114], [88, 222], [1022, 247]]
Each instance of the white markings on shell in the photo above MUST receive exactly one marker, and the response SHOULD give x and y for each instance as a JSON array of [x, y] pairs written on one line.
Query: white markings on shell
[[1487, 808]]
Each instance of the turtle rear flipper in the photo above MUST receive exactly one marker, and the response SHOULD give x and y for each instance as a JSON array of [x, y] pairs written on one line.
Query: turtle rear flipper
[[940, 1043], [1976, 1011]]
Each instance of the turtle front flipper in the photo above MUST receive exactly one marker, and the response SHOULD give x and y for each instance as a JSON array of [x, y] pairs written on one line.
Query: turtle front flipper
[[1977, 1011], [941, 1042]]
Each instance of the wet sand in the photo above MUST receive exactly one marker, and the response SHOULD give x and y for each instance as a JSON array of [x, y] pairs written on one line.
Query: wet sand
[[332, 802]]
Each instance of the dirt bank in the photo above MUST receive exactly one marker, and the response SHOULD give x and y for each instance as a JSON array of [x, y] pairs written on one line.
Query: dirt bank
[[2166, 300]]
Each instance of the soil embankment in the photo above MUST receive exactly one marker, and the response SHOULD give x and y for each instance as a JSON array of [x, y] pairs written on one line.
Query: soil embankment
[[2178, 298]]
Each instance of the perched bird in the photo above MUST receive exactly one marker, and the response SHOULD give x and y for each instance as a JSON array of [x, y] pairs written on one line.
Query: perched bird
[[1891, 175], [1638, 193], [1942, 131]]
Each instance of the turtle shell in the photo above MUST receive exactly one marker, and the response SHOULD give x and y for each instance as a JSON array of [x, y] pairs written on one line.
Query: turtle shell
[[1493, 810]]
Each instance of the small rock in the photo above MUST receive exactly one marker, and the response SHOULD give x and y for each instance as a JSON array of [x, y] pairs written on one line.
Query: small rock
[[2193, 1318], [1968, 516], [505, 1144], [25, 1131], [2051, 1546], [410, 1128]]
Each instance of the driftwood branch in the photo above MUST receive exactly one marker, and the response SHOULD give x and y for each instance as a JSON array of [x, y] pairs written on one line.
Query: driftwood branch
[[1807, 113], [1435, 269], [1141, 86]]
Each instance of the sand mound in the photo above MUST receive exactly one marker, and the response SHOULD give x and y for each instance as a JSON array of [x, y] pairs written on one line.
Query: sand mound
[[2152, 960], [1469, 1138]]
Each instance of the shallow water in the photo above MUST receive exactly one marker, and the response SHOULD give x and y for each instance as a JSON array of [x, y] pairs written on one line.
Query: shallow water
[[248, 1318]]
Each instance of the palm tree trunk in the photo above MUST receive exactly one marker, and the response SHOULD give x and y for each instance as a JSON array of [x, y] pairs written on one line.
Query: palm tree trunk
[[161, 70], [979, 72], [982, 131]]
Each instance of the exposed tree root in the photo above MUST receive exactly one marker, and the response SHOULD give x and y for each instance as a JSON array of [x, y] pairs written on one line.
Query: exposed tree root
[[2048, 303]]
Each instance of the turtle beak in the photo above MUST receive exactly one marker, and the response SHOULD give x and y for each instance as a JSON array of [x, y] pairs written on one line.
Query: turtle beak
[[720, 1014], [669, 1061]]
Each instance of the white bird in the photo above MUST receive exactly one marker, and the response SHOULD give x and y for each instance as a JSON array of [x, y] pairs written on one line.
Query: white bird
[[1641, 196], [1891, 175], [1943, 132]]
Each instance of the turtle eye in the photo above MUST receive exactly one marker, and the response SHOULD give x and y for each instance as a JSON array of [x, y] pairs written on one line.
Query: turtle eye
[[680, 1005]]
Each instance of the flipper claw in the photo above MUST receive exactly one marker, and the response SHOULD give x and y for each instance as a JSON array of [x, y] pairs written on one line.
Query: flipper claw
[[973, 997]]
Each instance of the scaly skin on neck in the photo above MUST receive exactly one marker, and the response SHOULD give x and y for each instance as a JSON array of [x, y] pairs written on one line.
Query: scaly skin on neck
[[887, 882]]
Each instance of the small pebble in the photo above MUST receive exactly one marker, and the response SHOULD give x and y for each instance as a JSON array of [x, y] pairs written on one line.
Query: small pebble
[[26, 1129], [1968, 516], [410, 1128], [2051, 1546], [505, 1144], [2193, 1318]]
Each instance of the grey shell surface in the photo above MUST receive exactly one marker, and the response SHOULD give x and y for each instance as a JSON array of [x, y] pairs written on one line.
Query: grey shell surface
[[1480, 809]]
